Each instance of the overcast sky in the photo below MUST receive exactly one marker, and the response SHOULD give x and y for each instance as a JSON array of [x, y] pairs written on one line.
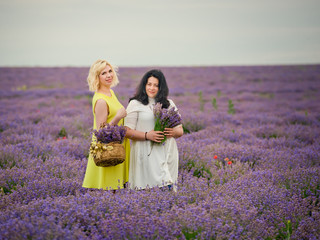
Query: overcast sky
[[159, 33]]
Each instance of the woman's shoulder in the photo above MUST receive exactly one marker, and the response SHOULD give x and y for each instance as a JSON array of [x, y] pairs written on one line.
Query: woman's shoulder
[[97, 96], [135, 102], [135, 105], [171, 102]]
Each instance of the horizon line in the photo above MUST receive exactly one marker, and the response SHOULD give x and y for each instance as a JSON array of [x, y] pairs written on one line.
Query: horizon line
[[165, 66]]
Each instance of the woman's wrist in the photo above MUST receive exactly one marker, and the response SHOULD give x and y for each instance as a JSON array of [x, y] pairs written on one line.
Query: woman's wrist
[[145, 136], [178, 132]]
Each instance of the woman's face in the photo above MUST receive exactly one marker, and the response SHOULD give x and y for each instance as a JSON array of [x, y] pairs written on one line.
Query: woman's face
[[106, 77], [152, 87]]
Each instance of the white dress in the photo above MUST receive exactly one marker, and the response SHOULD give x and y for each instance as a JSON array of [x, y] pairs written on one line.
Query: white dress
[[151, 164]]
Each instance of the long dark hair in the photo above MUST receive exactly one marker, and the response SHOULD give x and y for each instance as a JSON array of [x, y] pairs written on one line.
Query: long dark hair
[[161, 97]]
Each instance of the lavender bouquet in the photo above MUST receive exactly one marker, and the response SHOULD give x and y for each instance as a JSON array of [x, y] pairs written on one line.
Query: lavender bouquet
[[108, 149], [108, 133], [165, 118]]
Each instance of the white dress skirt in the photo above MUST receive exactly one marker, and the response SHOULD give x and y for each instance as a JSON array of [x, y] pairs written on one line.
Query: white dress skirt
[[151, 164]]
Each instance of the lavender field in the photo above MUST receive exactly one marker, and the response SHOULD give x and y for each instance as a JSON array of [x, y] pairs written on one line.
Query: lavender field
[[249, 160]]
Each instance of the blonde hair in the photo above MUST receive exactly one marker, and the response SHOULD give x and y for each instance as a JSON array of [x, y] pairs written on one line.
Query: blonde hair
[[94, 72]]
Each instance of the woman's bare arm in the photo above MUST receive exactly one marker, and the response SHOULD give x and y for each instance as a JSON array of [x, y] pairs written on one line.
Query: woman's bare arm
[[152, 135], [175, 132], [101, 111]]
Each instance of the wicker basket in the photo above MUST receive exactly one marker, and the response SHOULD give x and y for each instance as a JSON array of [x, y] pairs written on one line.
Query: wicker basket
[[106, 155]]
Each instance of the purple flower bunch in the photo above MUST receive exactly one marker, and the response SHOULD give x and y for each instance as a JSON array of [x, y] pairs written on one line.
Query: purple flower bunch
[[165, 118], [108, 133]]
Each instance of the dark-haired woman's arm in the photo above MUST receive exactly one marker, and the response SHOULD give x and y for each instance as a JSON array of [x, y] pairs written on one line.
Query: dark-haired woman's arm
[[175, 132], [152, 135]]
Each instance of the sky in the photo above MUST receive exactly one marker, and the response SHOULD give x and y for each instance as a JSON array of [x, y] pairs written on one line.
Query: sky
[[159, 33]]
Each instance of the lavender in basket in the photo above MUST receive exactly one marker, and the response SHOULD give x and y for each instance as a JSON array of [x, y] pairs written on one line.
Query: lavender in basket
[[108, 133]]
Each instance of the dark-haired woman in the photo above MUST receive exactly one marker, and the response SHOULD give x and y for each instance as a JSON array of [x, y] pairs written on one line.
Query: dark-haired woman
[[151, 164]]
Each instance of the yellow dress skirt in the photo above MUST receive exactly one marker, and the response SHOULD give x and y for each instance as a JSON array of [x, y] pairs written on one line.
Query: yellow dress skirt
[[114, 177]]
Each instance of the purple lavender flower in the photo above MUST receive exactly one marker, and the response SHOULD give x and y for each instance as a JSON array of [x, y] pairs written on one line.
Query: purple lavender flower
[[110, 133], [165, 118], [174, 118], [157, 110]]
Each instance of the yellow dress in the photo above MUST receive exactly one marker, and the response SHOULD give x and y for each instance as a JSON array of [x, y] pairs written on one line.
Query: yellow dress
[[107, 177]]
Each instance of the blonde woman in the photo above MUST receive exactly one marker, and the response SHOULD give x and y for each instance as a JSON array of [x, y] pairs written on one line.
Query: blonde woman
[[106, 108]]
